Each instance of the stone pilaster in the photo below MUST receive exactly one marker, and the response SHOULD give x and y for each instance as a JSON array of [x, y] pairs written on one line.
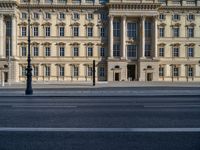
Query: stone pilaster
[[123, 36], [1, 36], [142, 37], [111, 36], [14, 36]]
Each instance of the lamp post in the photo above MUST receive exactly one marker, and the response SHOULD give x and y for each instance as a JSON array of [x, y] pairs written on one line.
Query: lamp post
[[29, 90]]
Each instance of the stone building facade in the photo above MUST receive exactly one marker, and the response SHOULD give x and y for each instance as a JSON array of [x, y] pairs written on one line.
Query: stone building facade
[[130, 40]]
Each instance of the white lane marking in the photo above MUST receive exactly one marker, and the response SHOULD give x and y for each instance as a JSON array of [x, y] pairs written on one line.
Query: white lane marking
[[10, 129], [45, 106], [171, 106]]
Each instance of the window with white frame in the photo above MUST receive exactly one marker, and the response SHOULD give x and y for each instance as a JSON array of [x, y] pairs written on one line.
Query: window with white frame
[[47, 15], [161, 71], [47, 51], [23, 73], [176, 72], [75, 71], [61, 71], [75, 51], [148, 29], [176, 17], [61, 15], [190, 51], [116, 29], [76, 16], [161, 31], [89, 71], [175, 51], [61, 31], [35, 51], [132, 30], [47, 31], [191, 32], [132, 51], [147, 50], [35, 15], [90, 16], [75, 31], [190, 71], [62, 51], [89, 31], [102, 51], [161, 51], [102, 32], [47, 71], [102, 72], [191, 17], [176, 32], [35, 71], [35, 31], [24, 15], [23, 31], [23, 51], [116, 50], [90, 51], [162, 16]]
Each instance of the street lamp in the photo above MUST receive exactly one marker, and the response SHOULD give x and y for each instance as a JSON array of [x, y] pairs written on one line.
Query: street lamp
[[29, 90]]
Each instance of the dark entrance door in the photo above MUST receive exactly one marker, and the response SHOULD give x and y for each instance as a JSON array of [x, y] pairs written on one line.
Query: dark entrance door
[[131, 72], [149, 76], [5, 76], [116, 76]]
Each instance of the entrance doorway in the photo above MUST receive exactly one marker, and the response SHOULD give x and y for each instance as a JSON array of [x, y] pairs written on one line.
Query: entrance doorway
[[131, 72], [149, 76], [116, 76], [5, 76]]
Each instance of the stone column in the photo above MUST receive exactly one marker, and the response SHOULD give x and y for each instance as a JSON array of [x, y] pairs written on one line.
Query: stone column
[[142, 37], [14, 36], [123, 36], [1, 36], [155, 37], [111, 36]]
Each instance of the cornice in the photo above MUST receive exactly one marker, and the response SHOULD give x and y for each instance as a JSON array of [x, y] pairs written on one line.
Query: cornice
[[8, 4], [180, 8]]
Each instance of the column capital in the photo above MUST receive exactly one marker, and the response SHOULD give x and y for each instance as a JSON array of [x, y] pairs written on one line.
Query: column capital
[[123, 17], [111, 17], [143, 17]]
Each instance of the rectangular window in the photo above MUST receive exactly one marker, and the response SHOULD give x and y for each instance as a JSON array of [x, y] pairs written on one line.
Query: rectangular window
[[162, 31], [89, 51], [47, 15], [102, 51], [132, 51], [23, 31], [23, 71], [90, 16], [116, 29], [35, 71], [76, 71], [47, 51], [36, 16], [190, 52], [75, 51], [132, 30], [102, 72], [35, 31], [24, 15], [176, 17], [162, 16], [47, 31], [176, 72], [75, 31], [161, 71], [191, 17], [62, 51], [175, 32], [103, 16], [89, 71], [90, 31], [190, 72], [190, 32], [62, 71], [161, 52], [76, 16], [23, 51], [147, 50], [35, 51], [148, 29], [62, 15], [102, 32], [175, 52], [62, 31], [116, 50], [47, 71]]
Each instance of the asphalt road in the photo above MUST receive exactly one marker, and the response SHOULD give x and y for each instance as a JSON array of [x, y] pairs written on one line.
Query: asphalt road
[[117, 123]]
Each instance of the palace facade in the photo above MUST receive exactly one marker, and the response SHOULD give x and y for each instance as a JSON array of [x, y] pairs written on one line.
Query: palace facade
[[130, 40]]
